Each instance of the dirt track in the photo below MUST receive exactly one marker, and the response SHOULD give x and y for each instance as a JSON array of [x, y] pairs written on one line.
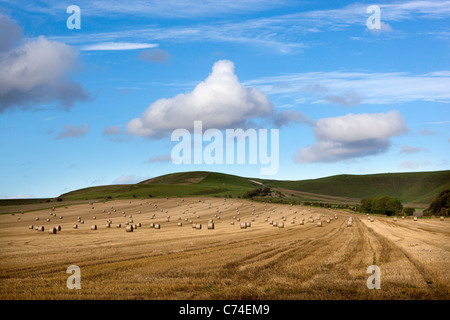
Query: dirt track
[[260, 262]]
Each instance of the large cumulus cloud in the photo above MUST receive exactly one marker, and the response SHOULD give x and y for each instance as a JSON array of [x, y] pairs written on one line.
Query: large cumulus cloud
[[35, 71], [220, 101]]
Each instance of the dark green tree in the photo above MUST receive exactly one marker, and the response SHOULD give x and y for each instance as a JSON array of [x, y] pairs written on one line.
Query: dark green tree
[[440, 205]]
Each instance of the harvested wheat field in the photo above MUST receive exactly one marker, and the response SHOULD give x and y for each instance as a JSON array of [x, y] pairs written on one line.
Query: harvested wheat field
[[252, 258]]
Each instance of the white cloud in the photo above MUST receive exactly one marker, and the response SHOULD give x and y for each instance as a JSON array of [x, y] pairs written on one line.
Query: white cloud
[[352, 136], [113, 46], [36, 72], [220, 102]]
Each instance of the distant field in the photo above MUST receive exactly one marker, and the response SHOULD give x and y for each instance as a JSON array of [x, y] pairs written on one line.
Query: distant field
[[260, 262]]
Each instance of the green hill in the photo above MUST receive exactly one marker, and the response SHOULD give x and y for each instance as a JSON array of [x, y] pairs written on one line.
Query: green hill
[[411, 187], [414, 187], [185, 184]]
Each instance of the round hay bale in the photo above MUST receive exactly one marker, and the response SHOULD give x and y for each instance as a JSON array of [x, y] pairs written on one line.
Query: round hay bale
[[129, 229], [94, 227], [52, 230], [211, 225], [75, 226]]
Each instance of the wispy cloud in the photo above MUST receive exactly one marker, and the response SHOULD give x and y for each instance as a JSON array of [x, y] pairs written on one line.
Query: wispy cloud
[[352, 88], [112, 46]]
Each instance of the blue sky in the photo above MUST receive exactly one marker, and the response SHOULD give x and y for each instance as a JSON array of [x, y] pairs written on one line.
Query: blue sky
[[97, 105]]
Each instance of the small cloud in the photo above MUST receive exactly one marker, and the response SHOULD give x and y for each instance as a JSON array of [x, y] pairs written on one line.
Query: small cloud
[[286, 117], [351, 136], [113, 46], [426, 132], [409, 150], [348, 99], [159, 158], [156, 55], [70, 131]]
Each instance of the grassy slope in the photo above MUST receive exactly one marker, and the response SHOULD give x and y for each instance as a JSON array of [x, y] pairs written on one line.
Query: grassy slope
[[414, 187], [173, 185]]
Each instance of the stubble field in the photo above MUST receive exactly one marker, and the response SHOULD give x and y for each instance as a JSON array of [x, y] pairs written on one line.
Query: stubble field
[[259, 262]]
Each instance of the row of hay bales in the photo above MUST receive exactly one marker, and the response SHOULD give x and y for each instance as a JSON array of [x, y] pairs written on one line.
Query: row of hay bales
[[52, 230]]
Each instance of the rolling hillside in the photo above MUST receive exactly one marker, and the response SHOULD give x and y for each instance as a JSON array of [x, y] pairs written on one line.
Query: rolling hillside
[[416, 187], [413, 187]]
